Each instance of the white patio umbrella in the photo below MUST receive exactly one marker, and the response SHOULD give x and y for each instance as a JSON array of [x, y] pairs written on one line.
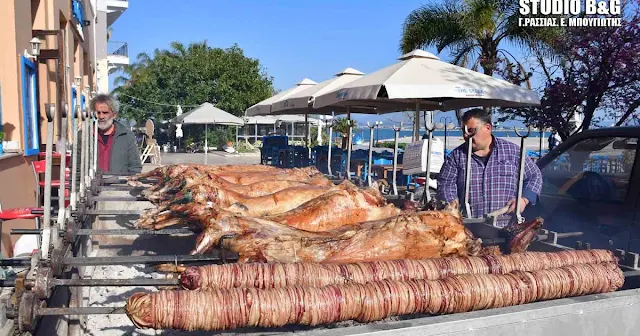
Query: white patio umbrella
[[421, 78], [206, 114], [264, 107], [302, 101]]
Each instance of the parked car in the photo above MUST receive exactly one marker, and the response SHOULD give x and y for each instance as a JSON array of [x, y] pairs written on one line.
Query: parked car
[[591, 184]]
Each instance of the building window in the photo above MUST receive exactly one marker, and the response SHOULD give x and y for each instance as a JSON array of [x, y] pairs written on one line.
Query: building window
[[30, 108]]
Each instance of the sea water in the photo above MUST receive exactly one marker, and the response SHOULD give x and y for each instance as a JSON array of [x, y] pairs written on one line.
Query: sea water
[[388, 134]]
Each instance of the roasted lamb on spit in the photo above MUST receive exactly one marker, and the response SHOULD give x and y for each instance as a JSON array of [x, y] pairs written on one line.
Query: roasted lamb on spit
[[168, 187], [171, 171], [251, 307], [425, 234], [239, 175], [166, 191], [341, 205]]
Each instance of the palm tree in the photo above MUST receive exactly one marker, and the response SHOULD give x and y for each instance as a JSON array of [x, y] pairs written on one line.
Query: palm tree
[[475, 31], [472, 28], [342, 126]]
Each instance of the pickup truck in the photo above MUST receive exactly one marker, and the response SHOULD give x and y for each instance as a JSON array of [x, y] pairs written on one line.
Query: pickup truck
[[591, 184]]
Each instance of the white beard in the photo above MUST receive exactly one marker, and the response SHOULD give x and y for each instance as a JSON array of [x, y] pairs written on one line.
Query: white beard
[[104, 125]]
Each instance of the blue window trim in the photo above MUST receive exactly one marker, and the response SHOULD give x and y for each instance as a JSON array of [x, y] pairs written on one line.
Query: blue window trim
[[29, 80], [74, 100]]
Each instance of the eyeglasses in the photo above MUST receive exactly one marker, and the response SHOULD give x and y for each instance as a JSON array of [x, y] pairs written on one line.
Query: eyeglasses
[[470, 131]]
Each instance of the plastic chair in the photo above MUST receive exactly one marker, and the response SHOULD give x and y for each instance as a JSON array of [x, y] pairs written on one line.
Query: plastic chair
[[39, 168]]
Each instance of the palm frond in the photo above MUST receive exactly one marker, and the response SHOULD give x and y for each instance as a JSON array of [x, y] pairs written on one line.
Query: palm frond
[[464, 51], [432, 25]]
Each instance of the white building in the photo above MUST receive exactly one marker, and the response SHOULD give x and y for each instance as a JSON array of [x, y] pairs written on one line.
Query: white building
[[291, 125], [110, 55]]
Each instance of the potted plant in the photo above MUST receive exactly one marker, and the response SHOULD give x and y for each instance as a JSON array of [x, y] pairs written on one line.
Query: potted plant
[[1, 140]]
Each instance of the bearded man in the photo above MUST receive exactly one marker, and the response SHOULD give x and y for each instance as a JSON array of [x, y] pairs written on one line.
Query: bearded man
[[117, 149]]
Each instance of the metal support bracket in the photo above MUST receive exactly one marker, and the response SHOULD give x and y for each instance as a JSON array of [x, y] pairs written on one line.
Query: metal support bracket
[[467, 171], [519, 217], [396, 131]]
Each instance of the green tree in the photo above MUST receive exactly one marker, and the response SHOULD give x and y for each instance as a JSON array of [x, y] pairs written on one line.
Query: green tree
[[190, 75], [475, 31], [342, 126], [595, 74]]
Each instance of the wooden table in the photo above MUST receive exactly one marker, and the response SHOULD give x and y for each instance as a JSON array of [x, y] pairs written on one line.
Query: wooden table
[[383, 170], [358, 165]]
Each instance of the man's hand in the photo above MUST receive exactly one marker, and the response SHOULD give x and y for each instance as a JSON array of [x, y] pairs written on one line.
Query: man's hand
[[512, 205]]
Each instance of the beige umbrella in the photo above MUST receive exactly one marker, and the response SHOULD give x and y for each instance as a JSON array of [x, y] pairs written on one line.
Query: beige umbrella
[[264, 107], [421, 78], [206, 114], [302, 102]]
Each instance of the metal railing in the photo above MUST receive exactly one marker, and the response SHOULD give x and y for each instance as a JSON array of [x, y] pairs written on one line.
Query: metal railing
[[121, 48]]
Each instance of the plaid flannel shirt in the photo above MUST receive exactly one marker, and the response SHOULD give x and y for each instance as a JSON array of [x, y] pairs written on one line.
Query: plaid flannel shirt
[[493, 184]]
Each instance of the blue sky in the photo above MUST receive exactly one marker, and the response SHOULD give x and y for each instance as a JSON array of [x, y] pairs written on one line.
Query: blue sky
[[292, 39]]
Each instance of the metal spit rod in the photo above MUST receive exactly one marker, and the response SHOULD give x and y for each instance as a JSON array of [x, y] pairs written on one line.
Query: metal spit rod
[[106, 212], [103, 282], [129, 260], [114, 232], [98, 212], [467, 172], [119, 198], [11, 313], [63, 174], [46, 234], [428, 127], [519, 217], [94, 165], [121, 188], [74, 158], [83, 154], [396, 131], [123, 180], [371, 128]]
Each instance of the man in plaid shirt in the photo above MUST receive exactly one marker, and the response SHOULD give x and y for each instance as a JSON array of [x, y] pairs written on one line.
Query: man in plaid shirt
[[494, 172]]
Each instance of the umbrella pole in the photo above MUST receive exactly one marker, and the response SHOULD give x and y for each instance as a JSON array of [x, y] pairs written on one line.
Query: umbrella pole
[[307, 137], [330, 144], [416, 123], [206, 143], [369, 179], [348, 169], [428, 127]]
